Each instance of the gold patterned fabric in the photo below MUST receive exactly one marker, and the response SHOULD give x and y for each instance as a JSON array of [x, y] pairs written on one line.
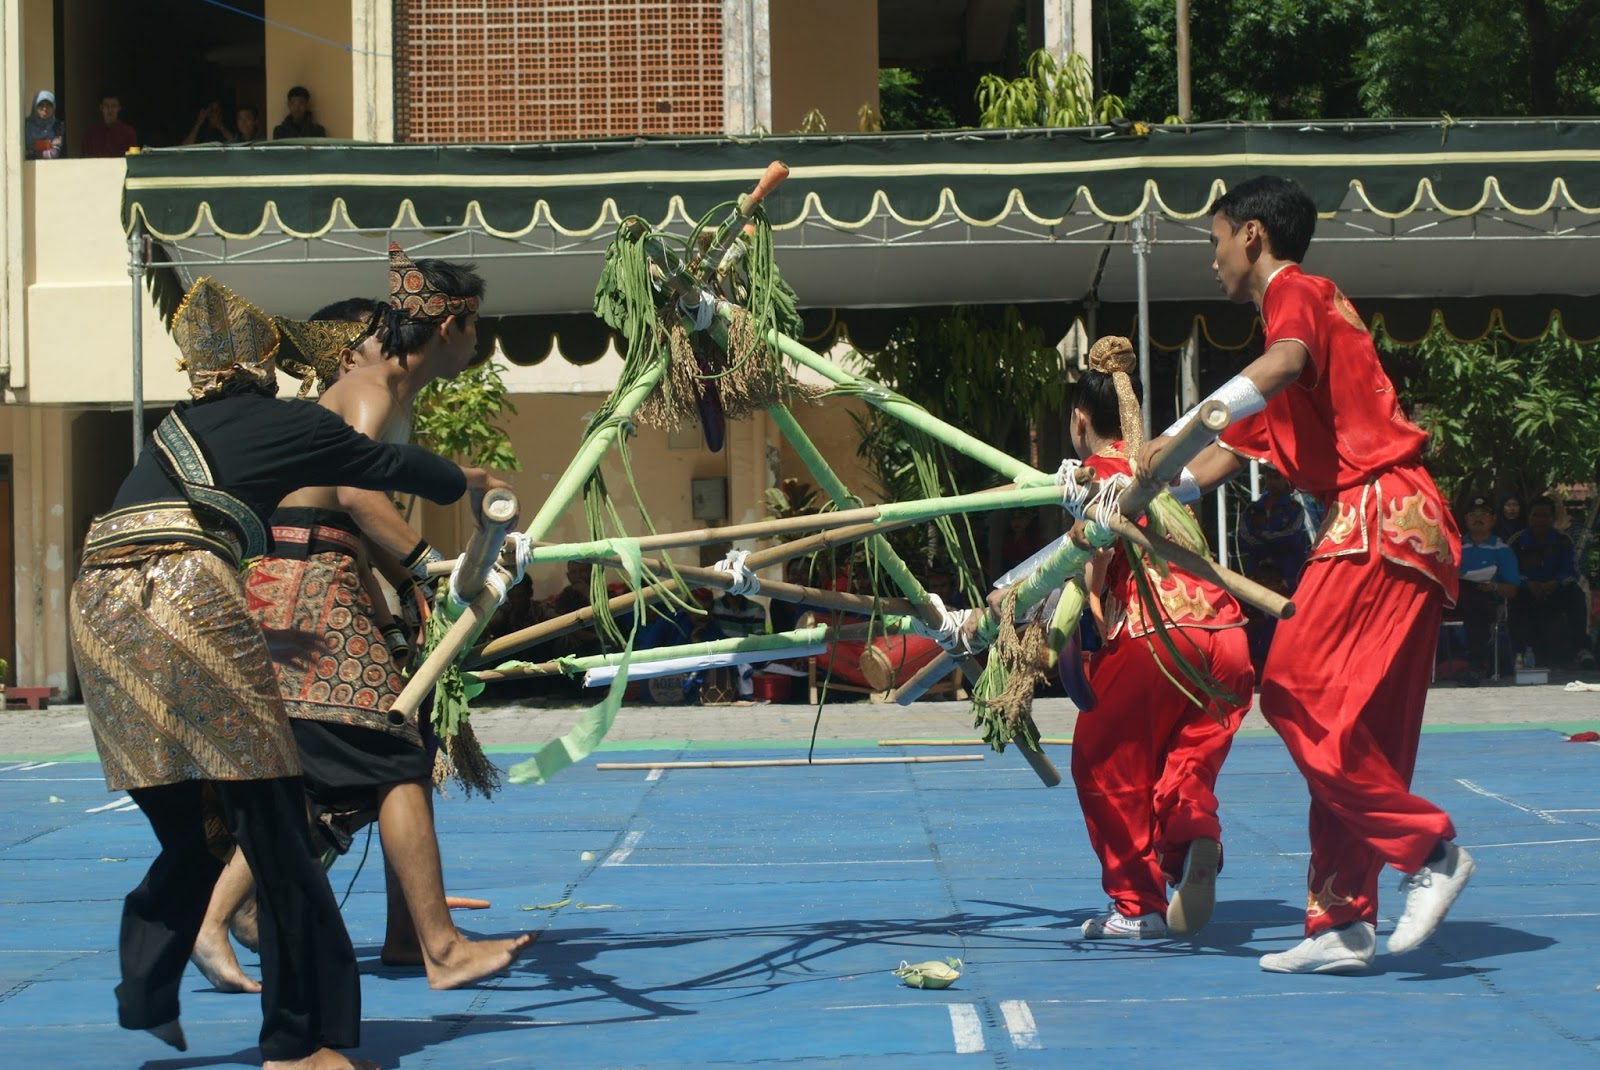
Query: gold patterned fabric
[[222, 337], [175, 673], [310, 348]]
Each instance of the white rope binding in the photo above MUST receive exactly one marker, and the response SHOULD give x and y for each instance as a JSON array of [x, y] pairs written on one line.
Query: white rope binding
[[948, 633], [744, 581]]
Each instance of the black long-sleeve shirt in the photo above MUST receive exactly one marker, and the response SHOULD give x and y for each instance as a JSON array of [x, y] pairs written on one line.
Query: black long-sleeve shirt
[[261, 448]]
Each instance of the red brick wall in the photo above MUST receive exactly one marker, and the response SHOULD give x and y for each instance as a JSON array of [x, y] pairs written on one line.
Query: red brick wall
[[535, 70]]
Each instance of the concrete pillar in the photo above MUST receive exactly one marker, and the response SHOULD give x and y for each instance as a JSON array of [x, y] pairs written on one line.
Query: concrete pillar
[[746, 66], [14, 101], [43, 545], [372, 69], [1069, 27]]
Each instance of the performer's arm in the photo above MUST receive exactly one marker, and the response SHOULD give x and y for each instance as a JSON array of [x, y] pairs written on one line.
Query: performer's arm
[[379, 520]]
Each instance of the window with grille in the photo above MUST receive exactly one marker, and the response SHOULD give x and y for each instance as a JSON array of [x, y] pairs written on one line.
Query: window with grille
[[536, 70]]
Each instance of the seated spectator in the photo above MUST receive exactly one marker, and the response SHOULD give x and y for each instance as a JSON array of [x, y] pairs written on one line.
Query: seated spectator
[[208, 127], [110, 136], [1548, 613], [941, 580], [43, 136], [298, 123], [1510, 521], [1489, 577], [246, 124], [1273, 528]]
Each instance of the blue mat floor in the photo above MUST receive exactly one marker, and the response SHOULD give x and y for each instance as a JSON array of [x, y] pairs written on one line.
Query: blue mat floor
[[750, 917]]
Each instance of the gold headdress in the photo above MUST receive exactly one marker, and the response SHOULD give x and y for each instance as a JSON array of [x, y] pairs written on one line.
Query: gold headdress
[[1113, 356], [417, 299], [223, 337], [311, 348]]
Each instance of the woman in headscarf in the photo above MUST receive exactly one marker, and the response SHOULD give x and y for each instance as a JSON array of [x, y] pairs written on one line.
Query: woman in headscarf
[[42, 133], [1510, 521]]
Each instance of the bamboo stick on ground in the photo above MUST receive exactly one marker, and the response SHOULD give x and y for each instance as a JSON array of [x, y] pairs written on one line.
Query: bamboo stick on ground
[[1053, 740], [762, 763]]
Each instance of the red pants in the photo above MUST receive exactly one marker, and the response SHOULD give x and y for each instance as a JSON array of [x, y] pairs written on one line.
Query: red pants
[[1145, 760], [1344, 687]]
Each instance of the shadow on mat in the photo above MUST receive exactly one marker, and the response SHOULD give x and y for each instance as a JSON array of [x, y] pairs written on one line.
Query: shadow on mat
[[382, 1041]]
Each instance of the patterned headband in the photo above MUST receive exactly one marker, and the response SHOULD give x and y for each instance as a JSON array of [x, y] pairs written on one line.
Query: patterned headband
[[417, 299]]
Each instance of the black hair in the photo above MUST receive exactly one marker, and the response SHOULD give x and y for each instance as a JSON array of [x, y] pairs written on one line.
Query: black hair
[[1541, 499], [110, 94], [298, 91], [1283, 209], [251, 108], [400, 335], [350, 310], [1096, 395]]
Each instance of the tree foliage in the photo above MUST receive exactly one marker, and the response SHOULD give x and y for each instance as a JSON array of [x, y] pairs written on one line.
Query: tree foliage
[[1503, 415], [1286, 59], [455, 418]]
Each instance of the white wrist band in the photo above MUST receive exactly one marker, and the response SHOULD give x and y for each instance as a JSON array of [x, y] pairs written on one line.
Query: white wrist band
[[1239, 394], [1187, 489]]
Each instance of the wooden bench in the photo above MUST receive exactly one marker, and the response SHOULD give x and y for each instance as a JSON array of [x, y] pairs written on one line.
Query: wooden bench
[[34, 698]]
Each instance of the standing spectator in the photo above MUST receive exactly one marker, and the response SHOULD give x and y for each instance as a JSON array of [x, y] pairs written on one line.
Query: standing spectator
[[246, 124], [110, 136], [1548, 613], [1510, 521], [208, 127], [43, 136], [1489, 576], [298, 123], [1273, 528]]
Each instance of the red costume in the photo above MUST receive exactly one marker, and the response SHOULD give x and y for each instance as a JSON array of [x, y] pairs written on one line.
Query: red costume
[[1145, 759], [1347, 675]]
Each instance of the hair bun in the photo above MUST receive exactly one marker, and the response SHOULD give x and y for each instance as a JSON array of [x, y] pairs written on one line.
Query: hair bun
[[1111, 354]]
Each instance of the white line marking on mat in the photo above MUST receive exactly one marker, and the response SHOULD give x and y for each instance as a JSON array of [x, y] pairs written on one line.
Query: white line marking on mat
[[968, 1031], [759, 865], [1019, 1023], [30, 766], [654, 774], [112, 805], [1533, 843], [620, 855], [1542, 815]]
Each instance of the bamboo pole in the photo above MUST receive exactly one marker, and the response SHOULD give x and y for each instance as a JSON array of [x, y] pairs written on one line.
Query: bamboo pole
[[1061, 741], [580, 618], [1196, 434], [779, 644], [899, 514], [763, 763], [497, 511]]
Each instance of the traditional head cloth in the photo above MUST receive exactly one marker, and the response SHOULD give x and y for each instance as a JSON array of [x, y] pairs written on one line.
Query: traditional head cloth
[[311, 349], [1113, 356], [416, 299], [223, 338]]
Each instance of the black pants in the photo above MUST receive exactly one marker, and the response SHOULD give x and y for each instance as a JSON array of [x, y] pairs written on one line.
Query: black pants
[[1556, 626], [310, 989], [1478, 610]]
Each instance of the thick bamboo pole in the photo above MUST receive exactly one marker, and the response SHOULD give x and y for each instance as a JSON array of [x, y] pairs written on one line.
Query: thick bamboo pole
[[496, 513]]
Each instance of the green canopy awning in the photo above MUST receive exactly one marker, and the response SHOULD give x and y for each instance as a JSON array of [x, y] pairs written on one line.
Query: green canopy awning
[[1471, 221]]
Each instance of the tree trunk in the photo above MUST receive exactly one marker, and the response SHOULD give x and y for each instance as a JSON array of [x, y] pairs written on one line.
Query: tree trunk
[[1548, 48]]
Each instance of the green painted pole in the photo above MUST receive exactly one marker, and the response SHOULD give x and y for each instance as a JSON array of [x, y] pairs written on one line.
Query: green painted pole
[[909, 412], [591, 453]]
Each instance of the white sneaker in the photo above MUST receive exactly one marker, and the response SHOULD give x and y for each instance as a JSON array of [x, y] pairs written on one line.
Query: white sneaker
[[1196, 893], [1115, 926], [1347, 950], [1429, 892]]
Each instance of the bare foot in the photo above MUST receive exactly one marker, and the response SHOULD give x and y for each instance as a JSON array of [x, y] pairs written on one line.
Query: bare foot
[[213, 956], [473, 960], [170, 1033], [321, 1059], [243, 926]]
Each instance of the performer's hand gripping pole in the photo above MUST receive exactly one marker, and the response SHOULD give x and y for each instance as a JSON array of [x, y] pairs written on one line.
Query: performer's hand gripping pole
[[1198, 433], [497, 513]]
